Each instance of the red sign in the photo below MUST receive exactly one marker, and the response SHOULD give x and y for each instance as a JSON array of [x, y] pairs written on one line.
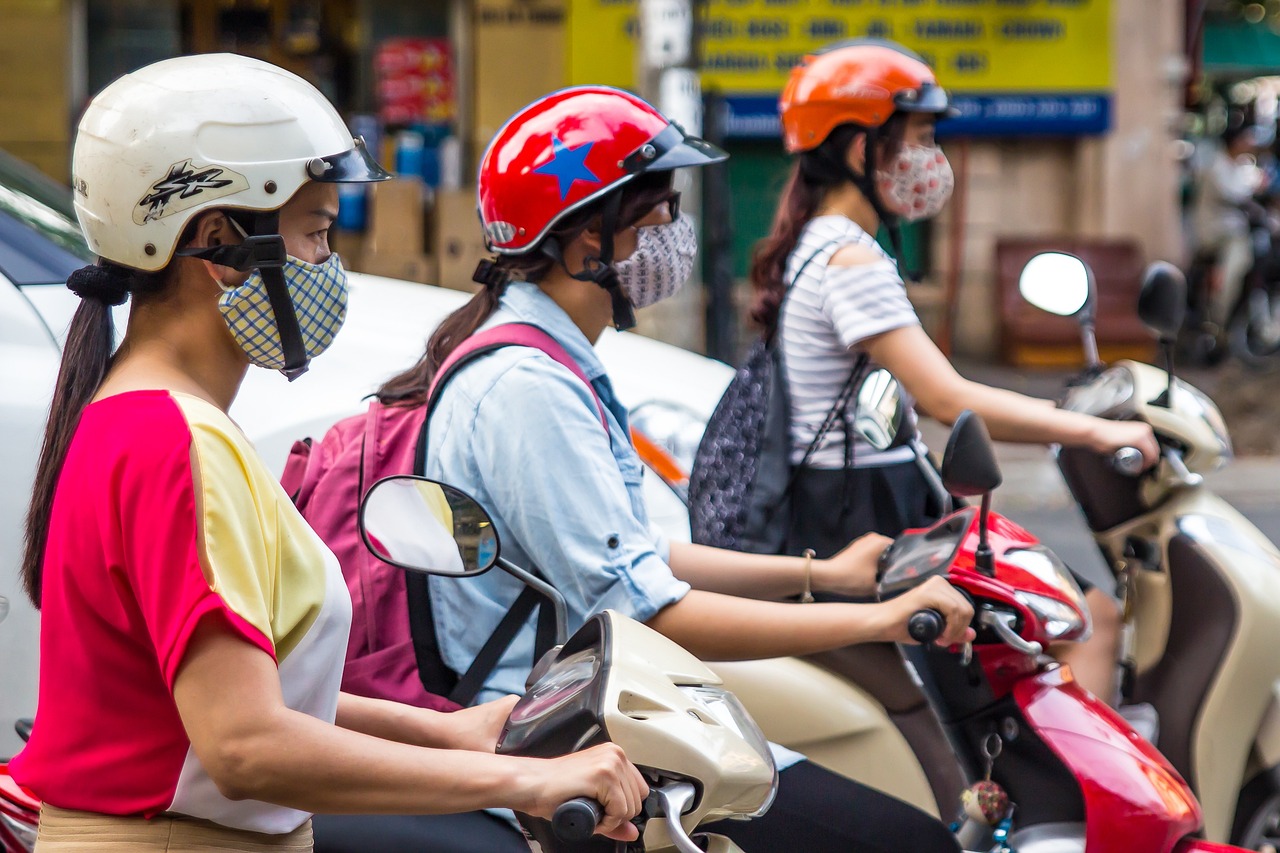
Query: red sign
[[415, 80]]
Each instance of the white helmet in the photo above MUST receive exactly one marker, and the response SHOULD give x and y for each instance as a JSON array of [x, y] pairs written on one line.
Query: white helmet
[[183, 135]]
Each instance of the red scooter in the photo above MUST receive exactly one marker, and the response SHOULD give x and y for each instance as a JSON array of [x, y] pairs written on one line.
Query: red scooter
[[1071, 773], [19, 810]]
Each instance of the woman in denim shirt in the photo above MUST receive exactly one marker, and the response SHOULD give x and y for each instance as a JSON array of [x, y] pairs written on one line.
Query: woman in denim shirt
[[576, 199]]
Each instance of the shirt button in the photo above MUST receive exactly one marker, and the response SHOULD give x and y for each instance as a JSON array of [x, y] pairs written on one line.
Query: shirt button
[[614, 542]]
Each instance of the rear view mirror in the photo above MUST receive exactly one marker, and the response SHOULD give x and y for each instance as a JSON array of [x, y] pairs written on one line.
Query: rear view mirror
[[1162, 302], [425, 526], [1058, 283], [969, 466], [880, 412]]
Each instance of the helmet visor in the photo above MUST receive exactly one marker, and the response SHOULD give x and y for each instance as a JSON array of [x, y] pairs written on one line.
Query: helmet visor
[[929, 98], [672, 149], [353, 166]]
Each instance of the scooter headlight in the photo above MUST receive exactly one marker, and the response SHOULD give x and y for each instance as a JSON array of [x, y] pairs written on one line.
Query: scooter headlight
[[1191, 401], [723, 707], [1110, 395], [1061, 620]]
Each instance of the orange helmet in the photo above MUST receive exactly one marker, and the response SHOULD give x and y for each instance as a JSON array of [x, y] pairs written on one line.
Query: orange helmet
[[860, 82]]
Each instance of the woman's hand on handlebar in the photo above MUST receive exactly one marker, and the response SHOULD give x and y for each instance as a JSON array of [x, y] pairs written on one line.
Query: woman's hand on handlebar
[[852, 571], [936, 594], [602, 773], [1110, 436]]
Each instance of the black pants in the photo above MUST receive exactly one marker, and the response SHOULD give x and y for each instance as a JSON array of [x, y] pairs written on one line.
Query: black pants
[[816, 811]]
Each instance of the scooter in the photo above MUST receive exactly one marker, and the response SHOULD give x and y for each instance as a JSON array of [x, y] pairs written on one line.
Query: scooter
[[1252, 332], [1069, 773], [1197, 580], [19, 809], [614, 680]]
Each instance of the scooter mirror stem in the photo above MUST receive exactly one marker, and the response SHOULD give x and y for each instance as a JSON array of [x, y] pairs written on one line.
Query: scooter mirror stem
[[1092, 362], [984, 559], [1165, 400], [548, 591]]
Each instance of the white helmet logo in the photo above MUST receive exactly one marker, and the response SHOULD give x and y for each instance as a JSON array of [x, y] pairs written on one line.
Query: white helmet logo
[[184, 187]]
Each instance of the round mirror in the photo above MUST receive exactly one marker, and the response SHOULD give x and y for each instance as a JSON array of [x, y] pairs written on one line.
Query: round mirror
[[425, 526], [880, 409], [1055, 282]]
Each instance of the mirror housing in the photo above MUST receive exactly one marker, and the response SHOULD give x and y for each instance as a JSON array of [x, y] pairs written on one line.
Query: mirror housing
[[969, 466], [1162, 301], [429, 527], [880, 413], [1060, 284]]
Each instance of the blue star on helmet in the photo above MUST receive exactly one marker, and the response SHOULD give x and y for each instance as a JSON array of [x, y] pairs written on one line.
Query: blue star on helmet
[[568, 165]]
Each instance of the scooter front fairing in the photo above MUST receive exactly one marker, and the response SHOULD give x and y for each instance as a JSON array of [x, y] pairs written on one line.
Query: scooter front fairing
[[1133, 798]]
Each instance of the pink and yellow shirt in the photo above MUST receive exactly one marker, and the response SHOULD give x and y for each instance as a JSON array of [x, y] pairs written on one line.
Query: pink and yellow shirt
[[164, 516]]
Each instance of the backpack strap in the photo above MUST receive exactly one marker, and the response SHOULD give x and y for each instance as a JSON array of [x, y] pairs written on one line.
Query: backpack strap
[[431, 668], [508, 334]]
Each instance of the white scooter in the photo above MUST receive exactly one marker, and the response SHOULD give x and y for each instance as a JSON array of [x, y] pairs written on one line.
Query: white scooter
[[614, 680], [1199, 583]]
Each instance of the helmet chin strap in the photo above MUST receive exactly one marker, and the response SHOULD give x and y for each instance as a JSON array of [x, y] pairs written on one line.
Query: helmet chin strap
[[263, 249], [867, 183], [600, 268]]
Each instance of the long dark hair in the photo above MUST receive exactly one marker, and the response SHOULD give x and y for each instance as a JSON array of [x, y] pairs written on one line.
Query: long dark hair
[[85, 361], [815, 173], [410, 388]]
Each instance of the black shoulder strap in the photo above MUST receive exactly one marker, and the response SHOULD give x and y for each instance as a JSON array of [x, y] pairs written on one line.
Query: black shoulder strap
[[495, 647], [435, 674]]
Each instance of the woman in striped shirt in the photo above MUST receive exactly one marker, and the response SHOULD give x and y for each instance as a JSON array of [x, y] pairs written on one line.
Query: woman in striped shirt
[[859, 116]]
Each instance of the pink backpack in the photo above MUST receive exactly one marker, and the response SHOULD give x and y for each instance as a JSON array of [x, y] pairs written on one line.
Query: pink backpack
[[392, 652]]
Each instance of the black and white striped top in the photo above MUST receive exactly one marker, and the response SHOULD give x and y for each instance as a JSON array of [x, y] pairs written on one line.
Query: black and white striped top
[[827, 313]]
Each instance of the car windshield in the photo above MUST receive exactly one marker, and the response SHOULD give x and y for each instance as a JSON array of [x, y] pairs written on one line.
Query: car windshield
[[40, 242]]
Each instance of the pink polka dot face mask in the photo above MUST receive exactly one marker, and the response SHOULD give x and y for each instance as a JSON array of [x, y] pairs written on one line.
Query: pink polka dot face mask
[[917, 184]]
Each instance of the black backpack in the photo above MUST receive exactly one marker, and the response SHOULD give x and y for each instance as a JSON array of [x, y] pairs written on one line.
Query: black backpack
[[741, 478]]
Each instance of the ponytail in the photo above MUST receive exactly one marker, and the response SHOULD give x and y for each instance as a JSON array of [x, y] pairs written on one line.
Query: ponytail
[[815, 173], [84, 365], [85, 362]]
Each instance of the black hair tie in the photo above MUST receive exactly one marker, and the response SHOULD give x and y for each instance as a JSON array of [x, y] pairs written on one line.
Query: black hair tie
[[109, 284]]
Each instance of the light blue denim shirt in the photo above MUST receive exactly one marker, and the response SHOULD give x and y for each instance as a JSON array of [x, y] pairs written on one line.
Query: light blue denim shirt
[[522, 435]]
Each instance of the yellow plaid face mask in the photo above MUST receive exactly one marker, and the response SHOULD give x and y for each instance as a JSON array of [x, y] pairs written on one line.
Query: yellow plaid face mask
[[319, 296]]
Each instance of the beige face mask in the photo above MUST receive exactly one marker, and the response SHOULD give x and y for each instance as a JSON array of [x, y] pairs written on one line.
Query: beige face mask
[[661, 263], [917, 184]]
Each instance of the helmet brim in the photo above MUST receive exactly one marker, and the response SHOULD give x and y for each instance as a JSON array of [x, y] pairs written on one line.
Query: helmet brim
[[927, 99], [671, 149], [353, 166]]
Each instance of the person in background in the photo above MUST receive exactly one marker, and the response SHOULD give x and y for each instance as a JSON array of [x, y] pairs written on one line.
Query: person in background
[[192, 625], [859, 119], [1224, 191]]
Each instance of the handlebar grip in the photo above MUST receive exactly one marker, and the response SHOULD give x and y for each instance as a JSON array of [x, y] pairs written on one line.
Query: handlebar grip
[[576, 820], [1127, 461], [925, 626]]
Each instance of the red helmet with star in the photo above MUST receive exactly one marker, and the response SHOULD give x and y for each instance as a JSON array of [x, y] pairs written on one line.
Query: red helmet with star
[[569, 149]]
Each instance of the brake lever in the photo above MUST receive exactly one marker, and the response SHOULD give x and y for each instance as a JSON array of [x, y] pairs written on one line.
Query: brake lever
[[672, 801], [1002, 624]]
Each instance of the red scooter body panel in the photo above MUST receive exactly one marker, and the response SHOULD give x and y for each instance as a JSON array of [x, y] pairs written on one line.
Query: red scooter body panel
[[1134, 799]]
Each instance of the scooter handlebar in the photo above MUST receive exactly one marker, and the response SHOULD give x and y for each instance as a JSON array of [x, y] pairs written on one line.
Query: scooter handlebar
[[926, 626], [1127, 461], [577, 819]]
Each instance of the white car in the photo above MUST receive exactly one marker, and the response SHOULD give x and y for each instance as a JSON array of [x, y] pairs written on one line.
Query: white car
[[670, 391]]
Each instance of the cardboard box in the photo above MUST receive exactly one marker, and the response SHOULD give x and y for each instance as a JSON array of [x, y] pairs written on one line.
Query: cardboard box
[[397, 211], [459, 243], [351, 246], [405, 266]]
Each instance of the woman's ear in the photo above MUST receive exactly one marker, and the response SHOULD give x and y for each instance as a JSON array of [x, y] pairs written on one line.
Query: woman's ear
[[855, 156], [213, 228]]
